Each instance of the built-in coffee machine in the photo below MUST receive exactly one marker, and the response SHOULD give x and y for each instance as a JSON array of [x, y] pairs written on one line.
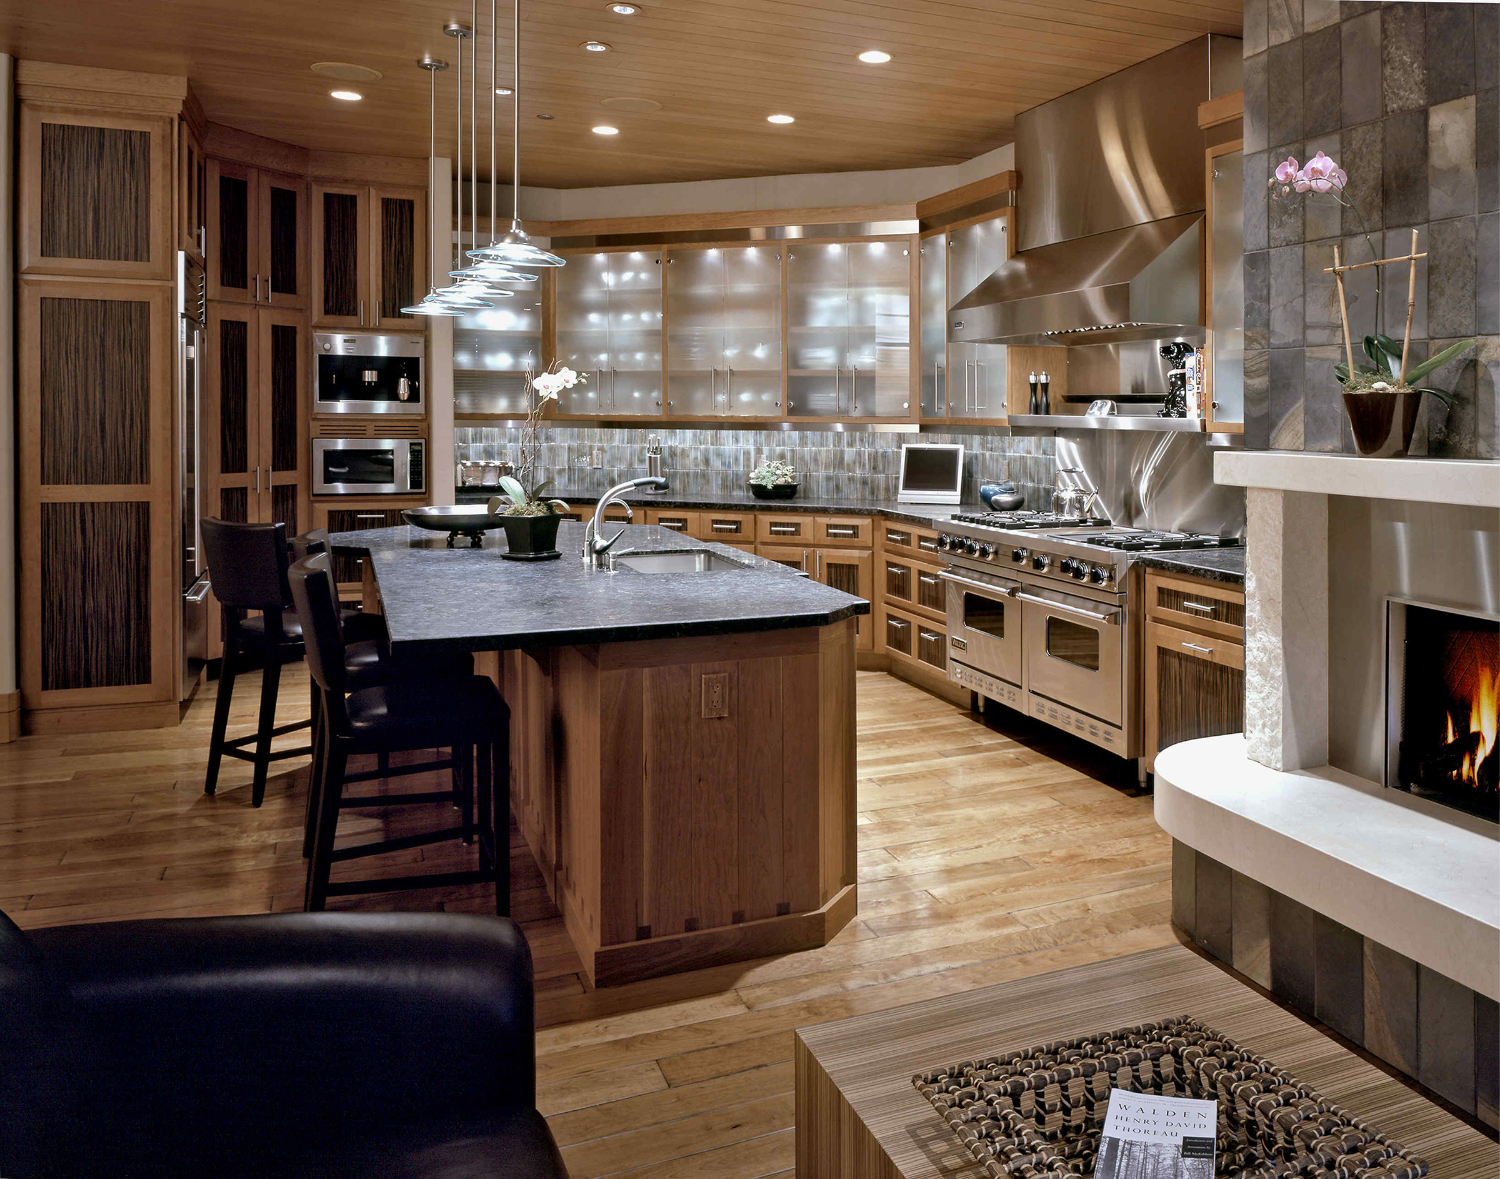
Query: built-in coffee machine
[[368, 373]]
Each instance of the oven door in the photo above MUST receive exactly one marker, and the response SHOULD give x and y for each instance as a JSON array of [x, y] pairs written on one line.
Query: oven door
[[363, 466], [984, 622], [1075, 651]]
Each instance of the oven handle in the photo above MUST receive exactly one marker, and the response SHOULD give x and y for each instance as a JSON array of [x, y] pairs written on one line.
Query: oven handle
[[1112, 618], [998, 590]]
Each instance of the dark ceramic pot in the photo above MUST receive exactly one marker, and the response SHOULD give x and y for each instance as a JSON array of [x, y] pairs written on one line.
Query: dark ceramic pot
[[1383, 423], [778, 491], [531, 538], [1001, 497]]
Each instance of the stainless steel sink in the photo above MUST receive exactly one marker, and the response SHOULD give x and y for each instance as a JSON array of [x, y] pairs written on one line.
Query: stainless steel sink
[[675, 561]]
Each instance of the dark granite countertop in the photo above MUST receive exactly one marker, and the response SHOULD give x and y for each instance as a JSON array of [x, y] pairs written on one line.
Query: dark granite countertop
[[928, 514], [1226, 565], [474, 600]]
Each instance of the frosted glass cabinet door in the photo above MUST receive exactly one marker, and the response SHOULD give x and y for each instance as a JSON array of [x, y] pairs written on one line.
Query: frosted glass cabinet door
[[751, 380], [1227, 288], [494, 349], [695, 330], [933, 362], [974, 253], [633, 374], [817, 285], [979, 381], [879, 379], [583, 330]]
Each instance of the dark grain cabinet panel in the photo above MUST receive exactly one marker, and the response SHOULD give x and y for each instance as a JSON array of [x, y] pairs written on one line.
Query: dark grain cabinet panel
[[96, 595], [399, 239], [257, 236], [341, 256], [95, 193], [95, 390], [233, 367], [231, 254], [283, 231]]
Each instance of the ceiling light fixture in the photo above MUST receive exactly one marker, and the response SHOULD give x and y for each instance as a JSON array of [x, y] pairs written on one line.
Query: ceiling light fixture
[[503, 91], [874, 57], [780, 119], [346, 95], [431, 304], [605, 129], [596, 46], [345, 71], [516, 248], [624, 9]]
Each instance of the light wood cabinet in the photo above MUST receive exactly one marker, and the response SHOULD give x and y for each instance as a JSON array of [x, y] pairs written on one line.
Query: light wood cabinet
[[257, 235], [912, 585], [369, 255], [792, 556], [844, 530], [723, 324], [851, 571], [734, 528], [784, 528], [192, 192], [921, 544], [1194, 661], [675, 519]]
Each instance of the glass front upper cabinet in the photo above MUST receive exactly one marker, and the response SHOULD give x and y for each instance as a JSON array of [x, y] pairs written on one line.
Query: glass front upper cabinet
[[495, 350], [724, 331], [1226, 322], [849, 329], [609, 329], [933, 344]]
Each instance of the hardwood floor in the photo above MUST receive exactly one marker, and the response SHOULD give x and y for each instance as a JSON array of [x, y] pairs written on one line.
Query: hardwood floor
[[989, 850]]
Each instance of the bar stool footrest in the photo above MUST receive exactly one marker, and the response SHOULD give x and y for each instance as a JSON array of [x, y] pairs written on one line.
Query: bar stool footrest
[[400, 883]]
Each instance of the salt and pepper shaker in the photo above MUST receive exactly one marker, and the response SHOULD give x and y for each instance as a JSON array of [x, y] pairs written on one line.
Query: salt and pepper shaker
[[1034, 406], [1044, 381]]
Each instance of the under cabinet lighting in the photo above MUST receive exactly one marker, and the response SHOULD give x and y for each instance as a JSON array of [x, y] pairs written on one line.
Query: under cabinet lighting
[[780, 119], [346, 95], [874, 57]]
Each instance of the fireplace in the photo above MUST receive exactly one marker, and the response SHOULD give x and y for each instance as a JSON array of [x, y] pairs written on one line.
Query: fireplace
[[1443, 706]]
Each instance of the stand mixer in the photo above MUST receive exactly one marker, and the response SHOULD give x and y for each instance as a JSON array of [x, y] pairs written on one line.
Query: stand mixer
[[1175, 404]]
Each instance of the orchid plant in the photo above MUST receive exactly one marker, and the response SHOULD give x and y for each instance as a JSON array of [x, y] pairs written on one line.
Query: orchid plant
[[1321, 174], [525, 494]]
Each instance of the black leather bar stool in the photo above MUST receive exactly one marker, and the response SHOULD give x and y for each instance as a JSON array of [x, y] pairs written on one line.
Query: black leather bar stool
[[359, 626], [247, 566], [462, 713]]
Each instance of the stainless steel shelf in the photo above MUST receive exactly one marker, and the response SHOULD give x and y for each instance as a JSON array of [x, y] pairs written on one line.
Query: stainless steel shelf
[[1064, 421]]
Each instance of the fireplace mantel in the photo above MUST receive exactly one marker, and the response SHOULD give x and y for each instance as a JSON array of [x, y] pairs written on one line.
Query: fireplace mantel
[[1410, 480]]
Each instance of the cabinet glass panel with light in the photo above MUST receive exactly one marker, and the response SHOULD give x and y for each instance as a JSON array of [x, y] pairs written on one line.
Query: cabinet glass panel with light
[[494, 350], [723, 316], [961, 381], [609, 327]]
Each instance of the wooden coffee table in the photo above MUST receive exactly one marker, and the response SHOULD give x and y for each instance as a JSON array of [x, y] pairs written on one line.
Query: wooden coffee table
[[859, 1117]]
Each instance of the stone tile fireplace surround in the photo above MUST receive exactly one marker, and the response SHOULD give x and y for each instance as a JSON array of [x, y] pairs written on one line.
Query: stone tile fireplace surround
[[1371, 909]]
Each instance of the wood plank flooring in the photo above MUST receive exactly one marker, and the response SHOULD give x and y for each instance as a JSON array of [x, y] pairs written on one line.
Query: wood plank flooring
[[989, 850]]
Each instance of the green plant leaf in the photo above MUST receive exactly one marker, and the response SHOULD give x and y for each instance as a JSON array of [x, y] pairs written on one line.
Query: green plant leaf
[[1389, 346], [513, 489], [536, 492], [558, 506], [1436, 362], [1442, 395], [1341, 371]]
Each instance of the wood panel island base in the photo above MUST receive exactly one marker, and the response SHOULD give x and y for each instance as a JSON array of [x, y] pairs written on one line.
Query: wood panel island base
[[682, 744], [691, 801]]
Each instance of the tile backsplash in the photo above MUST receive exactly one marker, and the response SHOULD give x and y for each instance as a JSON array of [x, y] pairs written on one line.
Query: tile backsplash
[[833, 465]]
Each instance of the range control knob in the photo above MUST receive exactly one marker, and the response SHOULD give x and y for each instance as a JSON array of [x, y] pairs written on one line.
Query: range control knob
[[945, 541], [986, 552], [1079, 569], [1040, 561], [971, 547], [1019, 554], [1099, 574]]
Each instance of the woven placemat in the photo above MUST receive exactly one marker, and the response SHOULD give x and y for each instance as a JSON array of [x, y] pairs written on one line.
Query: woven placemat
[[1040, 1112]]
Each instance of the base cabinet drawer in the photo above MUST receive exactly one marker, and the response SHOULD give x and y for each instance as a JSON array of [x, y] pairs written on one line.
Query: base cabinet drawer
[[727, 527], [1207, 606], [932, 647], [1195, 687], [921, 544], [783, 528], [900, 635], [851, 530], [678, 521]]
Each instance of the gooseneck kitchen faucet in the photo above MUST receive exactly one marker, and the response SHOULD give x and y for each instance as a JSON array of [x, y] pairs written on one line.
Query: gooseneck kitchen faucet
[[594, 545]]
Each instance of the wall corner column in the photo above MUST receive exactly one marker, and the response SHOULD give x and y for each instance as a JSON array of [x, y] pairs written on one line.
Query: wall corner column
[[10, 696]]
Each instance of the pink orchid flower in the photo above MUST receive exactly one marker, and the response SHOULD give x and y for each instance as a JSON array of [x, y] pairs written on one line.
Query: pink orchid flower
[[1287, 170]]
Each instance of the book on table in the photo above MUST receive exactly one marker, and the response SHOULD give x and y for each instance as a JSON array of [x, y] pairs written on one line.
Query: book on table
[[1150, 1137]]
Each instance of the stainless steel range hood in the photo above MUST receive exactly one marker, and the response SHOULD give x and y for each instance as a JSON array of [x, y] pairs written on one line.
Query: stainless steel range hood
[[1110, 209]]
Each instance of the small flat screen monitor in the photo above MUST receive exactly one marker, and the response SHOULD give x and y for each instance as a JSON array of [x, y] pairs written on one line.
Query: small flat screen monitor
[[931, 475]]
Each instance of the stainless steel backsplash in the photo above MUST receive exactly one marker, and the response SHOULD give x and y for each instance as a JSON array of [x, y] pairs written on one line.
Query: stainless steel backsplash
[[1148, 479]]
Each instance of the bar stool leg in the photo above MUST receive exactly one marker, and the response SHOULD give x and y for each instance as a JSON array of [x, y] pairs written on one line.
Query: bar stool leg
[[314, 777], [466, 803], [483, 797], [269, 685], [330, 792], [497, 788], [221, 707]]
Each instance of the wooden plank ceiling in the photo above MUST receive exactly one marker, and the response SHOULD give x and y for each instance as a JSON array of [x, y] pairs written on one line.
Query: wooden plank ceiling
[[960, 71]]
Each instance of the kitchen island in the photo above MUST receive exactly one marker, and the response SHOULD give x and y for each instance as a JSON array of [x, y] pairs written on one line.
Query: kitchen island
[[682, 744]]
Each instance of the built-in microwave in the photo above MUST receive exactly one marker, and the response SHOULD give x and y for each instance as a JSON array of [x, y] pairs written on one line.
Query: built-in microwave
[[368, 373], [369, 466]]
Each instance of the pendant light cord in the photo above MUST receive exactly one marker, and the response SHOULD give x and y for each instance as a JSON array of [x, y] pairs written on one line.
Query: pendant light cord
[[494, 134], [474, 127], [458, 250], [431, 156], [515, 108]]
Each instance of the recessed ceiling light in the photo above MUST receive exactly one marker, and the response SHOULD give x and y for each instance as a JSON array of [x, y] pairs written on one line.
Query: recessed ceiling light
[[624, 9], [605, 129], [596, 46], [875, 56], [345, 71], [780, 119], [504, 90], [547, 118], [346, 95]]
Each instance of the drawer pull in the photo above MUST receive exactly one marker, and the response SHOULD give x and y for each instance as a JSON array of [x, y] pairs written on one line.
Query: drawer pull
[[673, 523], [1199, 606], [784, 529], [901, 538], [842, 530], [370, 516], [724, 526], [928, 544], [897, 622], [1195, 647], [928, 578]]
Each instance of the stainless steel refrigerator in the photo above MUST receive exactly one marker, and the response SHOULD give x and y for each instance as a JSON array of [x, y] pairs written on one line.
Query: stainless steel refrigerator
[[192, 317]]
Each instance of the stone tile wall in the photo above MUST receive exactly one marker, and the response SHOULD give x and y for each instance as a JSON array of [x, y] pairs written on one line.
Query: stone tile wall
[[1405, 98], [1416, 1020], [832, 464]]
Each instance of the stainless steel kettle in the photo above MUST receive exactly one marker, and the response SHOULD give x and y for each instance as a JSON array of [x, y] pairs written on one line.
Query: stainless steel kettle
[[1072, 503]]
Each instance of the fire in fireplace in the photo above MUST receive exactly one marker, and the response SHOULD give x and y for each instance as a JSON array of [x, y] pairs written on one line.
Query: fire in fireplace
[[1445, 706]]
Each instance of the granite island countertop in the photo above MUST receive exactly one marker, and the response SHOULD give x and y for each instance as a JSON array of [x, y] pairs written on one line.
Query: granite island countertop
[[474, 600], [930, 515], [1226, 565]]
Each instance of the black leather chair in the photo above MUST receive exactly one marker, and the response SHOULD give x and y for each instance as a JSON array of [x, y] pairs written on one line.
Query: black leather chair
[[320, 1045]]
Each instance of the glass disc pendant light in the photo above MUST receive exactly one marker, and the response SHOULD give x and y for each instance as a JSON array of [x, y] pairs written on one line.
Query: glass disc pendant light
[[490, 273], [516, 248], [431, 305], [465, 294]]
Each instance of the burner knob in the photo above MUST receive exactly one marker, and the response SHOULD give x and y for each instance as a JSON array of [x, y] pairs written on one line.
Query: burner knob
[[1019, 554], [971, 547], [1040, 561], [1099, 574], [1066, 565], [1079, 569], [986, 551], [945, 541]]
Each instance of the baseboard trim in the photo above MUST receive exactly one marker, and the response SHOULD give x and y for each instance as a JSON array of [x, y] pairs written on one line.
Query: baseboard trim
[[108, 718], [10, 716]]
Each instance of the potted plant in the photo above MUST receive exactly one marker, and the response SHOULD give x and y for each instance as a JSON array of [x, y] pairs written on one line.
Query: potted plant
[[774, 480], [529, 518], [1382, 401]]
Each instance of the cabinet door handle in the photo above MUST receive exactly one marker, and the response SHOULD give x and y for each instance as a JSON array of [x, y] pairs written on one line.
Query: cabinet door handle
[[937, 374], [901, 538], [783, 529], [927, 578], [377, 312], [838, 396], [1199, 606], [270, 295], [724, 526], [361, 313], [1195, 647]]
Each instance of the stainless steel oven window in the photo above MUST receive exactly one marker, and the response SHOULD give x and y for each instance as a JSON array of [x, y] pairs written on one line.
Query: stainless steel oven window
[[1078, 645], [984, 614]]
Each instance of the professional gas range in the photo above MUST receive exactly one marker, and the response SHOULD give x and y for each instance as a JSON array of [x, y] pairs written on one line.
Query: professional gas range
[[1040, 619]]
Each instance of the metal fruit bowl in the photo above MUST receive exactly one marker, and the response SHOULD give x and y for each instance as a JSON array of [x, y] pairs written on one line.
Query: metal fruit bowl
[[471, 520]]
